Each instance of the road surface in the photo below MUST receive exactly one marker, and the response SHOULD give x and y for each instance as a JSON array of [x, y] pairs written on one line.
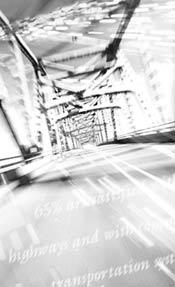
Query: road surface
[[99, 217]]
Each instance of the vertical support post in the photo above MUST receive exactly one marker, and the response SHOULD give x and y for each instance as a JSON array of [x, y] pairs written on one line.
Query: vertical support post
[[21, 148], [113, 118], [154, 81]]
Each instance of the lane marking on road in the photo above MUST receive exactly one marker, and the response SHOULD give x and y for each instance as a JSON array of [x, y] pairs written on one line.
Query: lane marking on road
[[139, 233], [166, 270], [147, 174], [93, 185], [89, 198], [32, 233], [160, 220], [151, 176], [167, 208], [81, 198], [107, 187], [164, 150], [115, 187]]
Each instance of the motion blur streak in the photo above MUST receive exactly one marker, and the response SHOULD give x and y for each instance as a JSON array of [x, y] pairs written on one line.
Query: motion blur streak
[[87, 143]]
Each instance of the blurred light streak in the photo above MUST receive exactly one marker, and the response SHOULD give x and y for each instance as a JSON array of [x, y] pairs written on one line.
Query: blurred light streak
[[52, 33], [113, 185], [155, 229], [144, 19], [163, 32], [151, 38], [130, 36], [166, 270], [161, 220], [107, 21], [81, 198], [85, 23], [95, 32], [164, 150], [83, 5], [142, 9], [149, 175], [162, 7], [93, 185], [47, 28], [117, 16], [61, 28], [165, 44], [33, 234], [155, 198], [76, 34], [139, 233], [72, 22], [90, 199], [152, 5], [106, 186], [170, 3]]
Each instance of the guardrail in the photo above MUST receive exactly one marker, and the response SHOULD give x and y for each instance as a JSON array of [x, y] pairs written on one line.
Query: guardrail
[[162, 128], [9, 166]]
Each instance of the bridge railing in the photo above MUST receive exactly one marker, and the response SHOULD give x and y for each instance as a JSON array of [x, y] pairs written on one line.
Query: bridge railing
[[161, 128], [12, 168]]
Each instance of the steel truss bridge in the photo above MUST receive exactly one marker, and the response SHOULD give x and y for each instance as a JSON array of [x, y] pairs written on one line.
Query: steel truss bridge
[[89, 94], [87, 168]]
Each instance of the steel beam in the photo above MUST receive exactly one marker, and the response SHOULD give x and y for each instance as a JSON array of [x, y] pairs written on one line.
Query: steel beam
[[22, 45], [85, 110], [78, 53]]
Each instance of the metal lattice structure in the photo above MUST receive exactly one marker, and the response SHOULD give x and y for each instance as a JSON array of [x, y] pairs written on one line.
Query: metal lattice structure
[[94, 94]]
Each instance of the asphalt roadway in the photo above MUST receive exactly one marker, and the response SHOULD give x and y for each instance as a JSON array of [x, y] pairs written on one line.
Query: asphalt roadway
[[97, 217]]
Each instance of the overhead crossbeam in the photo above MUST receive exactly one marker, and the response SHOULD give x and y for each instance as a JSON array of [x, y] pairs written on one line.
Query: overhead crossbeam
[[60, 84], [85, 110], [59, 66], [86, 134], [85, 127], [59, 102], [107, 91], [102, 79], [86, 118], [78, 72], [78, 53], [70, 99]]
